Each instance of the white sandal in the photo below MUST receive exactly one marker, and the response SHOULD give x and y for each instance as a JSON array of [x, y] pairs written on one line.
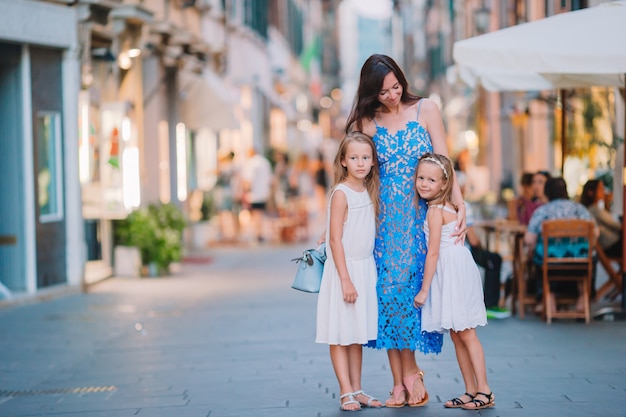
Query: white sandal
[[370, 400], [351, 400]]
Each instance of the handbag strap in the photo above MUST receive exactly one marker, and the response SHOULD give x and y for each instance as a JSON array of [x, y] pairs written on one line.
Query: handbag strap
[[309, 254]]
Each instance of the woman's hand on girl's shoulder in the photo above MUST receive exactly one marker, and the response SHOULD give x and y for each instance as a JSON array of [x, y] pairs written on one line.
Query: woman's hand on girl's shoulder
[[460, 231]]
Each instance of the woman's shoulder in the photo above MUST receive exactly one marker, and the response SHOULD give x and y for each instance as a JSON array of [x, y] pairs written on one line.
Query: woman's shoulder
[[427, 107], [369, 126]]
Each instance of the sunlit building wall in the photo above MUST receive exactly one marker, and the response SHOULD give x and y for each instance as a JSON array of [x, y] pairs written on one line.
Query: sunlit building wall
[[41, 232]]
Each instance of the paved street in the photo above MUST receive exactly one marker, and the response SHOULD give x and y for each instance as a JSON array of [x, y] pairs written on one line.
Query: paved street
[[231, 338]]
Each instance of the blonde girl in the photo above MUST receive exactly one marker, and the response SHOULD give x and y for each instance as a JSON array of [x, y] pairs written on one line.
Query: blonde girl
[[451, 297], [347, 308]]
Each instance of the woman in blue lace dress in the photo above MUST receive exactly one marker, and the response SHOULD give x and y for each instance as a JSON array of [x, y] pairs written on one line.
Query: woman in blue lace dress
[[404, 127]]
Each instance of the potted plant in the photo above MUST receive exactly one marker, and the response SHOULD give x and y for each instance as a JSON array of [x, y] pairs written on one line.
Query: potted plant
[[156, 231], [203, 227]]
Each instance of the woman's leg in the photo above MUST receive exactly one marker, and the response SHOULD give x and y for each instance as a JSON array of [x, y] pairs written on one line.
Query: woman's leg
[[412, 379], [339, 356], [398, 394]]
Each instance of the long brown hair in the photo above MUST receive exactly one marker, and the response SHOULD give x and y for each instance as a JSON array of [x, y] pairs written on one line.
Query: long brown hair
[[445, 195], [366, 103], [372, 180], [590, 193]]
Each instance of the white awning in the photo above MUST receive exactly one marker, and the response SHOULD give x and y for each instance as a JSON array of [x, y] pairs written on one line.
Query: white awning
[[579, 48], [206, 102], [498, 80]]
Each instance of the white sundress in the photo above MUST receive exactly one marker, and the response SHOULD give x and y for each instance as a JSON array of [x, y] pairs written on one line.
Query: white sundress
[[456, 300], [338, 322]]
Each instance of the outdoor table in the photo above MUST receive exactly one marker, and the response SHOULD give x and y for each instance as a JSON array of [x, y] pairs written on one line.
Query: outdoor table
[[499, 228], [514, 232]]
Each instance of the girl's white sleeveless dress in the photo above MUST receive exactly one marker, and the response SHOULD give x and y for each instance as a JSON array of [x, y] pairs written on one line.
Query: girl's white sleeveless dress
[[456, 300], [338, 322]]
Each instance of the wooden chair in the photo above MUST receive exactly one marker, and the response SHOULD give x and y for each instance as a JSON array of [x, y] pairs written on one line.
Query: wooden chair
[[520, 298], [613, 287], [569, 267]]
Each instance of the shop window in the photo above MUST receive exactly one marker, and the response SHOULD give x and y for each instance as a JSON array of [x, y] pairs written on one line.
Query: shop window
[[49, 177]]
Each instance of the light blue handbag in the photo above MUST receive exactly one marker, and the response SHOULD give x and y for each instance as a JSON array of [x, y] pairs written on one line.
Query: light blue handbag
[[310, 269]]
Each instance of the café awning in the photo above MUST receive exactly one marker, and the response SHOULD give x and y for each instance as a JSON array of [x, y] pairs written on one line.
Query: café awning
[[579, 48], [206, 102]]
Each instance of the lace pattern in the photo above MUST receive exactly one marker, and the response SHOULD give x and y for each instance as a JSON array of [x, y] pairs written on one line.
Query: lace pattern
[[400, 247]]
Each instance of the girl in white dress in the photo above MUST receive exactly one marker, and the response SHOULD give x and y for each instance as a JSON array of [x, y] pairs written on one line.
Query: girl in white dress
[[451, 297], [347, 306]]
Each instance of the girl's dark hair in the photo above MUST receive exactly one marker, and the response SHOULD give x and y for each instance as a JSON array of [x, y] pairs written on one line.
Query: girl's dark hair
[[366, 103], [556, 189], [590, 190]]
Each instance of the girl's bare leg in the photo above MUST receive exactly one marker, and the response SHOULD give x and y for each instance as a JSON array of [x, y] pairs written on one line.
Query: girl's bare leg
[[467, 370], [477, 358], [476, 354], [339, 356], [355, 361]]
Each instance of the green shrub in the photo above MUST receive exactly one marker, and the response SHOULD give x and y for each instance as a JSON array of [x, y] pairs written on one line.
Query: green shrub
[[156, 230]]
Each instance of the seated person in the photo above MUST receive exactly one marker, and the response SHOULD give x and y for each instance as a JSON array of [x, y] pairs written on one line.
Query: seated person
[[490, 261], [559, 206], [540, 178], [610, 238], [525, 204]]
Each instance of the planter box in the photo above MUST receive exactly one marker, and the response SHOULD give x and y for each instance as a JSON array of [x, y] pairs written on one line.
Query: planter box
[[201, 234], [127, 261]]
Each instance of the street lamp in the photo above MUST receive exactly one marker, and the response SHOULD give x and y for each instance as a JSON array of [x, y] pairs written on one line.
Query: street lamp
[[482, 17]]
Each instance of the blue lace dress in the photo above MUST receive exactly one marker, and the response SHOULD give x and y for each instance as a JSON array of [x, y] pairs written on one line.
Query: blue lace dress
[[400, 246]]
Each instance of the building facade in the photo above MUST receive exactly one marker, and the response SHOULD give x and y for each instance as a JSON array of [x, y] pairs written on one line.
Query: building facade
[[111, 105], [40, 211]]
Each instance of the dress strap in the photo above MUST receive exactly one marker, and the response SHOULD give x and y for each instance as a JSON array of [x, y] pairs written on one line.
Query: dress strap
[[444, 208], [341, 186], [419, 104]]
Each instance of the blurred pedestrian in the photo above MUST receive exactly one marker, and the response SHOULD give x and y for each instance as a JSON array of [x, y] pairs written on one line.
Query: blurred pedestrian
[[281, 180], [451, 297], [347, 308], [476, 184], [321, 185], [225, 189], [404, 127], [257, 176], [301, 184]]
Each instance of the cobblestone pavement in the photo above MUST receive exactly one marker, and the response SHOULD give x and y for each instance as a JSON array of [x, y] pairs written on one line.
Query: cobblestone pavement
[[231, 338]]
